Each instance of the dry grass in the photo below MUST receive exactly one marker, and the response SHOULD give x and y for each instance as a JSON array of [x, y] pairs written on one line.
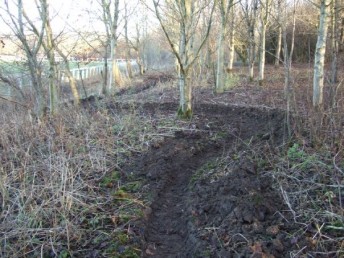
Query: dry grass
[[309, 170], [61, 187]]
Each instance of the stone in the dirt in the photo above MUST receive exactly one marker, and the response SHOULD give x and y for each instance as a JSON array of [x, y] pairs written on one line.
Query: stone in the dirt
[[273, 230]]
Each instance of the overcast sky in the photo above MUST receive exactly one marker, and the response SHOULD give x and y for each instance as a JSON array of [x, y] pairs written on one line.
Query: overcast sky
[[66, 15]]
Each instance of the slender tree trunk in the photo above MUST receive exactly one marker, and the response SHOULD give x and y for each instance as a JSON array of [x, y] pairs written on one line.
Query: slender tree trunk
[[262, 55], [36, 80], [231, 42], [220, 74], [106, 72], [52, 64], [71, 79], [112, 79], [319, 60], [334, 41], [264, 19], [251, 60], [111, 26], [140, 64], [287, 58], [278, 47], [128, 52], [251, 54]]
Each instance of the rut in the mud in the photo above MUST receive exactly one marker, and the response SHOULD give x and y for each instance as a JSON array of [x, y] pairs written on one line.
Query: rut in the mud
[[170, 166], [166, 233]]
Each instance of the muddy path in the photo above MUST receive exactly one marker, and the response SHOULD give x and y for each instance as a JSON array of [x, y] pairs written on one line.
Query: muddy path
[[172, 167], [172, 170]]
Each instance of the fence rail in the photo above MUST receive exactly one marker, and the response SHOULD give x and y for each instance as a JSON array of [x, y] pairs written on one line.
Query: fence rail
[[90, 71], [22, 79]]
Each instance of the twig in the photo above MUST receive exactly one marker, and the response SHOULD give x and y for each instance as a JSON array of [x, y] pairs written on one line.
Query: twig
[[338, 181], [13, 101]]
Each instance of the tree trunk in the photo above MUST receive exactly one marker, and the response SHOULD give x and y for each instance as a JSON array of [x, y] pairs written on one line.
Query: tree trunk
[[185, 101], [71, 79], [231, 42], [129, 69], [287, 57], [112, 79], [251, 53], [278, 47], [111, 26], [251, 63], [52, 65], [220, 74], [334, 41], [319, 60], [264, 20], [262, 55], [36, 79], [106, 71]]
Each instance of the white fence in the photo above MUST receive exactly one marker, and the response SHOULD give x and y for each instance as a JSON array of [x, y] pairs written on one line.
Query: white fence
[[91, 71], [22, 80]]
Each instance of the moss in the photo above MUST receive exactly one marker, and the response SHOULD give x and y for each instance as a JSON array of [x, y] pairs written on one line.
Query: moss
[[120, 193], [261, 82], [110, 180], [132, 186], [187, 114]]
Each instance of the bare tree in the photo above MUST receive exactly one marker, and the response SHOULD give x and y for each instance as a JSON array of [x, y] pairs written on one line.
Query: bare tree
[[186, 55], [31, 49], [250, 9], [288, 54]]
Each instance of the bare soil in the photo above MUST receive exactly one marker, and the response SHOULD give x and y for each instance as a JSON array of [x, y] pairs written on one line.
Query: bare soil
[[192, 215], [209, 189]]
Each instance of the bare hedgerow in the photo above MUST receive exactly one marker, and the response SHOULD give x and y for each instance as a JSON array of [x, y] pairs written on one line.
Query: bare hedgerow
[[52, 199]]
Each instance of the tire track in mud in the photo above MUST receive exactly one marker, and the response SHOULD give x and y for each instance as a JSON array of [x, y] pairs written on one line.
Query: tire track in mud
[[172, 166], [168, 167]]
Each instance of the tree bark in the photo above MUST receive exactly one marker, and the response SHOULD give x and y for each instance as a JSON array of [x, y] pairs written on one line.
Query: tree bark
[[334, 41], [319, 60], [278, 47], [262, 55], [225, 6], [220, 75], [264, 19], [50, 49], [250, 12], [231, 42], [111, 26]]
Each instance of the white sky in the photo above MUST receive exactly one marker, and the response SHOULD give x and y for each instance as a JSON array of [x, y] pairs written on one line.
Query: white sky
[[66, 15]]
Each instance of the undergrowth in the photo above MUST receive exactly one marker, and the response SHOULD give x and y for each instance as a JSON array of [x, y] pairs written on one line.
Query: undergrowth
[[311, 185], [62, 192]]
